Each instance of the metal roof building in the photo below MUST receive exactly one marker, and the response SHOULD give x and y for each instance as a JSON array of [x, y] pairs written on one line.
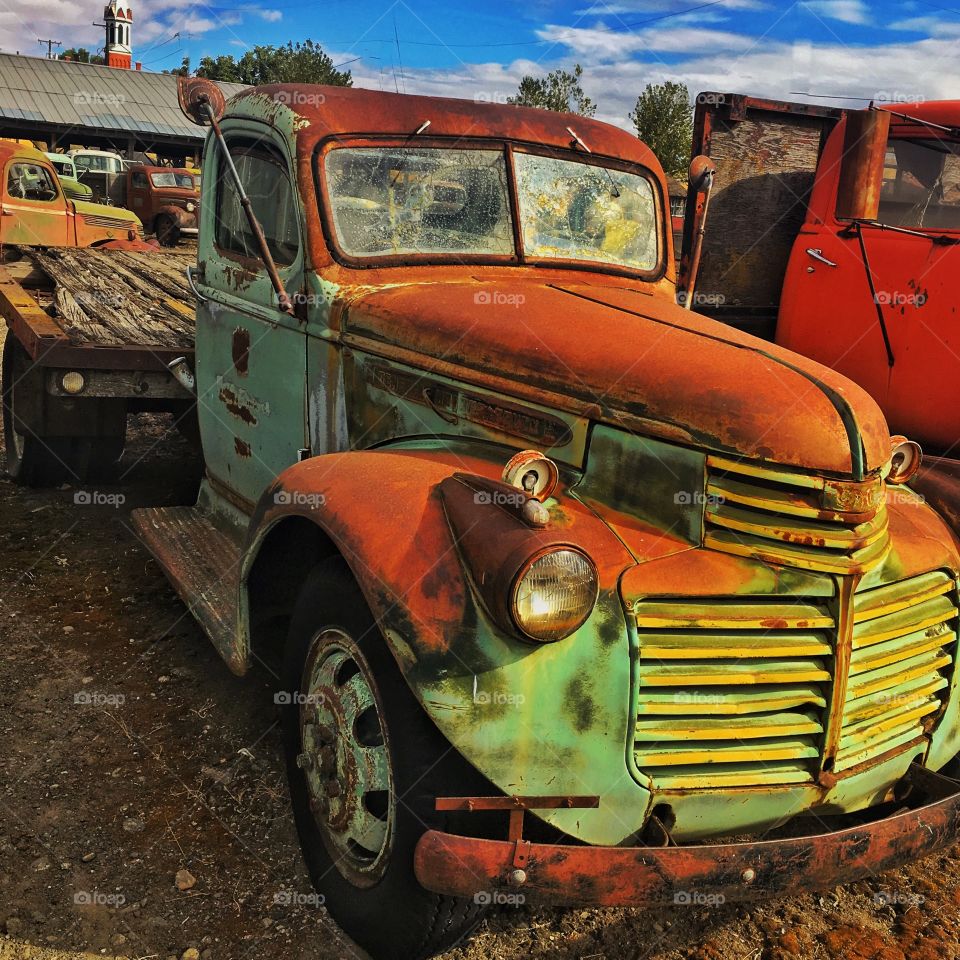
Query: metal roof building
[[68, 103]]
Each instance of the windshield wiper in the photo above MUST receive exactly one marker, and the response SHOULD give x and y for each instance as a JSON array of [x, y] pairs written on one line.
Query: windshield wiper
[[943, 238], [614, 190], [403, 163]]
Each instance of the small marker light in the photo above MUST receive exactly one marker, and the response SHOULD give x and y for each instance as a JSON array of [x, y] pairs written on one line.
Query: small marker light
[[905, 460], [72, 382]]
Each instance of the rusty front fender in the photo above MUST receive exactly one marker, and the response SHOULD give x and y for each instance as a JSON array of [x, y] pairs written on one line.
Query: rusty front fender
[[557, 715]]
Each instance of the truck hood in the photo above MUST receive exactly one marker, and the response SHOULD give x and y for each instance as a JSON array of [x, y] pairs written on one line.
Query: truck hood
[[87, 208], [635, 356]]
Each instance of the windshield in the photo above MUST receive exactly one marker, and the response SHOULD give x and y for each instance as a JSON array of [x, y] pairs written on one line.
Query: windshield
[[63, 167], [388, 201], [573, 211], [172, 179], [407, 200], [921, 184]]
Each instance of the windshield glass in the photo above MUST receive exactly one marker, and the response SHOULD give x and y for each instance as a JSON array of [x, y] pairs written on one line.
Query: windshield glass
[[574, 211], [447, 201], [921, 184], [63, 167], [391, 200], [172, 179]]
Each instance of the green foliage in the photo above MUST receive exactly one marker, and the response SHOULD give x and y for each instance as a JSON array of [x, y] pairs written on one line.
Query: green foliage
[[183, 70], [559, 90], [80, 55], [294, 63], [664, 121]]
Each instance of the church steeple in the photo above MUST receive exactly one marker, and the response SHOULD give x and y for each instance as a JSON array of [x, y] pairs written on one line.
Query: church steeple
[[118, 17]]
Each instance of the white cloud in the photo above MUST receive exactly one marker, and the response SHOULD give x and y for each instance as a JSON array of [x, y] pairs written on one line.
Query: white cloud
[[848, 11], [922, 69]]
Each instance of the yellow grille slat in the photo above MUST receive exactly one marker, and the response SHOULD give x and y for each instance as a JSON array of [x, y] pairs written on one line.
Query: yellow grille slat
[[899, 596], [734, 701], [743, 615], [729, 728], [922, 617], [700, 645], [709, 752]]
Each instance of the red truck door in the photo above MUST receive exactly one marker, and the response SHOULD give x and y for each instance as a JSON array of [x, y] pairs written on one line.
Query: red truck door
[[33, 210], [880, 305], [138, 197]]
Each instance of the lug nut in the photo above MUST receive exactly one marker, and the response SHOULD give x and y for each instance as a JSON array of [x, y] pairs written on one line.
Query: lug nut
[[518, 878], [328, 760], [333, 788], [305, 761], [748, 875]]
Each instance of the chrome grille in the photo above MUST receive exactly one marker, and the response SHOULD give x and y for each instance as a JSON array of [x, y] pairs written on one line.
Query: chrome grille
[[794, 519], [736, 691], [900, 665], [732, 692]]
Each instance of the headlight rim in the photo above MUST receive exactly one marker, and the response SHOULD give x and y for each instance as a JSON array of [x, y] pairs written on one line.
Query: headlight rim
[[525, 568]]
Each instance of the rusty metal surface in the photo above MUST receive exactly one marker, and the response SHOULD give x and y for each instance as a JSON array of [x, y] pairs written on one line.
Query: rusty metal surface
[[464, 866], [678, 381], [861, 170]]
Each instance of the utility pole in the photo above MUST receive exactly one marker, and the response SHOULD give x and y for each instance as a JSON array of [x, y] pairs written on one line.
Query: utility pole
[[50, 45]]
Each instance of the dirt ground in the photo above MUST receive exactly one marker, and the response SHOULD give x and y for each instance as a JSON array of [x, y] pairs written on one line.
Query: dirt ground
[[128, 753]]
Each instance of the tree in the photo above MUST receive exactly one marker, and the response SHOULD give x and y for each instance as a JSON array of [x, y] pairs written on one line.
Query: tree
[[559, 90], [80, 55], [183, 70], [664, 121], [294, 63]]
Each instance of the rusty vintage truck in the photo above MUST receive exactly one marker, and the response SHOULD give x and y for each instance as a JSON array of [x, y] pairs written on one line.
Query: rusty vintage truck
[[564, 585]]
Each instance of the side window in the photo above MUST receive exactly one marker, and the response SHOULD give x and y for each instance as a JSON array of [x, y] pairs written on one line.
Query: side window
[[139, 181], [263, 173], [30, 181], [921, 184]]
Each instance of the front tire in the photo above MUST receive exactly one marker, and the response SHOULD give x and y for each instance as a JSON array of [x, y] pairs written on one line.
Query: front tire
[[167, 230], [365, 765]]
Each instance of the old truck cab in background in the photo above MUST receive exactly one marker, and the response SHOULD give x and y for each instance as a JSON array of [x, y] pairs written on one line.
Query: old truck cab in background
[[563, 583]]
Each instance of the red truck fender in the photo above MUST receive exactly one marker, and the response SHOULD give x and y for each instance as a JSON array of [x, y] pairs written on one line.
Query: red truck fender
[[384, 513]]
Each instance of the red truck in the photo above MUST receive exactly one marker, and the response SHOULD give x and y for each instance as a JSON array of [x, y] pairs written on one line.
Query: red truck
[[835, 233]]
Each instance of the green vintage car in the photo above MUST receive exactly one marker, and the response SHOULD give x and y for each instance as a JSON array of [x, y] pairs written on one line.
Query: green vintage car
[[67, 174]]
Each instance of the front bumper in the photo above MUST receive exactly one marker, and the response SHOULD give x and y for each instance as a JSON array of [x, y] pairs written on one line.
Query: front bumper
[[646, 876]]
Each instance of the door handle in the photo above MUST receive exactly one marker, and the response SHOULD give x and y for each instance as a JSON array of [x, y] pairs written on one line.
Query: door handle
[[817, 254], [4, 212]]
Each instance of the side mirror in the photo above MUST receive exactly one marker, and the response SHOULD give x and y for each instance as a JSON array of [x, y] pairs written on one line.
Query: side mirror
[[198, 98], [701, 177], [861, 168]]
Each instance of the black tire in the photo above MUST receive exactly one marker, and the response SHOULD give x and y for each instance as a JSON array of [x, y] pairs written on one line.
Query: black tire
[[38, 461], [388, 913], [167, 230]]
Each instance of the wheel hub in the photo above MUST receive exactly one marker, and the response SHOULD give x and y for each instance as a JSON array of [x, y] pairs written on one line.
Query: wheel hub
[[345, 759]]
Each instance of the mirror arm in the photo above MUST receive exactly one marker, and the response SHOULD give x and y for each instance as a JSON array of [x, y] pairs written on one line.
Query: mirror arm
[[286, 304]]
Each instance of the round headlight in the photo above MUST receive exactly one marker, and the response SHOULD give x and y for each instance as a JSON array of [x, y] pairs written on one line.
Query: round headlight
[[190, 206], [73, 382], [554, 594], [905, 460]]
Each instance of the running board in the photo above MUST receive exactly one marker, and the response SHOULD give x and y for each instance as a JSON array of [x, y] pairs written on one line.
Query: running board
[[203, 564]]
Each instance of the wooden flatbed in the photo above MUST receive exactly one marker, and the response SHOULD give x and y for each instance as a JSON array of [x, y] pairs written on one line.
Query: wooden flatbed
[[91, 335], [99, 309]]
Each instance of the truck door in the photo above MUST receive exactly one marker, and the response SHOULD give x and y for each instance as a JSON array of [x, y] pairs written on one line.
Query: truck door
[[33, 210], [879, 305], [251, 356], [138, 197]]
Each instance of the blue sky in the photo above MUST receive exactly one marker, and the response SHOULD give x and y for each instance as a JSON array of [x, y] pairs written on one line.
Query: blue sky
[[833, 48]]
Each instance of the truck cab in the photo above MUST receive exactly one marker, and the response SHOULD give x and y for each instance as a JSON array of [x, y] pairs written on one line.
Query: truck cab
[[165, 199], [34, 210], [562, 582], [67, 173]]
